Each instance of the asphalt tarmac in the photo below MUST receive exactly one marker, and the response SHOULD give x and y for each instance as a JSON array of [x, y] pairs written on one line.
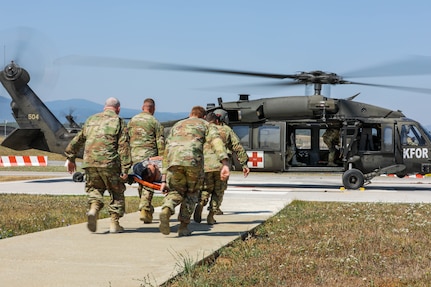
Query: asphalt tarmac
[[141, 256]]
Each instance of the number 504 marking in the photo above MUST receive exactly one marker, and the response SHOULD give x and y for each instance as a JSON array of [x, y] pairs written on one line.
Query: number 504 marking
[[33, 117]]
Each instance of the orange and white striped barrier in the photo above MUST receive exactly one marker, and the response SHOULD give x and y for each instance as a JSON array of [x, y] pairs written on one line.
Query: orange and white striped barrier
[[25, 160], [409, 175]]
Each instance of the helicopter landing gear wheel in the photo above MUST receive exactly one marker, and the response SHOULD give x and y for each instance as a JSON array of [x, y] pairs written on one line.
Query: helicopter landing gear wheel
[[78, 177], [353, 179]]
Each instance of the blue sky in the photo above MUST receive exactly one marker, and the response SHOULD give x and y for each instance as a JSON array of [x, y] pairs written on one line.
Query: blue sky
[[265, 36]]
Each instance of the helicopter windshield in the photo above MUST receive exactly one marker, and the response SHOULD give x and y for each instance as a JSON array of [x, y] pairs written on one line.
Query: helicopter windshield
[[426, 132], [410, 135]]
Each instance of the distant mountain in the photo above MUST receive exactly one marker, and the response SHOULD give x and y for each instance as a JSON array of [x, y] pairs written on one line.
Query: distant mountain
[[5, 111], [81, 109]]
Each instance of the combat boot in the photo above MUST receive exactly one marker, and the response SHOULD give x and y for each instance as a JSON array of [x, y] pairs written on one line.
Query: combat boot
[[165, 214], [92, 216], [210, 218], [197, 215], [115, 226], [183, 230], [331, 159], [146, 216], [219, 212]]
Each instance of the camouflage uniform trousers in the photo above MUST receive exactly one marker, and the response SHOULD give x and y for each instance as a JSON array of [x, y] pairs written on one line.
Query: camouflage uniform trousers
[[146, 197], [331, 137], [184, 183], [213, 187], [98, 180]]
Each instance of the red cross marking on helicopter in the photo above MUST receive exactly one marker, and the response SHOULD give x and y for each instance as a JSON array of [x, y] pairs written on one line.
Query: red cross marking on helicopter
[[255, 159]]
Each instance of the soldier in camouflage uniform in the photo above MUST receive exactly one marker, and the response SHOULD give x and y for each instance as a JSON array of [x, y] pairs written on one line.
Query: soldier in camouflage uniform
[[146, 140], [183, 167], [107, 161], [213, 185], [331, 137]]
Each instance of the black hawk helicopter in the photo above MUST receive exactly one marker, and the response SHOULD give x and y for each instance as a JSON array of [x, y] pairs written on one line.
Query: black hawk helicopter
[[317, 133], [280, 134]]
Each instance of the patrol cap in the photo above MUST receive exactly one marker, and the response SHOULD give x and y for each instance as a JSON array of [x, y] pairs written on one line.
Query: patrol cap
[[222, 114]]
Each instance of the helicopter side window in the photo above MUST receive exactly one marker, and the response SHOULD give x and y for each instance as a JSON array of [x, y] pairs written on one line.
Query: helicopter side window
[[387, 139], [303, 138], [370, 139], [243, 132], [269, 137]]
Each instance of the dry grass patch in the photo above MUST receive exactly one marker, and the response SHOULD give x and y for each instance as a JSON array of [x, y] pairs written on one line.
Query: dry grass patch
[[327, 244], [21, 177]]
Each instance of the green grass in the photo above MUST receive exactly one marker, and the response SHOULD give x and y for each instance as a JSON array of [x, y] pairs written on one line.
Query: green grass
[[326, 244], [23, 213]]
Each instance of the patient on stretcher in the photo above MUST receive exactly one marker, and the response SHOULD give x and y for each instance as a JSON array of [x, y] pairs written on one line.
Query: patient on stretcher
[[148, 170]]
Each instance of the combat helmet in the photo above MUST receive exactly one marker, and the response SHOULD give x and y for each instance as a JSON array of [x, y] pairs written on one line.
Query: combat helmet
[[222, 115]]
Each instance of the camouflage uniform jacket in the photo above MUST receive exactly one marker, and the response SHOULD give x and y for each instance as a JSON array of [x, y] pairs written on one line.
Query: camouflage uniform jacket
[[185, 143], [232, 144], [147, 137], [105, 140]]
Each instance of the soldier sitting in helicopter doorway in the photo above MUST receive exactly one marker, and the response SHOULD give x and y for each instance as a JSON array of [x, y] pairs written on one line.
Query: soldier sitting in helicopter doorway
[[331, 137]]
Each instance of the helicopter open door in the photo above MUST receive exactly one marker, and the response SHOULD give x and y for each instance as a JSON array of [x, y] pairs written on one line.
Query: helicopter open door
[[288, 146], [370, 145]]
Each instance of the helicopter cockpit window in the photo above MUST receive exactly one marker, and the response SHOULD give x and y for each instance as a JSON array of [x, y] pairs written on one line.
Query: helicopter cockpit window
[[269, 137], [243, 132], [410, 135]]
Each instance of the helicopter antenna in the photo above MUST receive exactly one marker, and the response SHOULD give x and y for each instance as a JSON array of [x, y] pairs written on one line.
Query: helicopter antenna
[[317, 89], [352, 97]]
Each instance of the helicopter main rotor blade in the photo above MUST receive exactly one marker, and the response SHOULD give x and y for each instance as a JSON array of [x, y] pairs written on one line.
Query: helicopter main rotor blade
[[410, 66], [409, 89], [418, 65], [95, 61]]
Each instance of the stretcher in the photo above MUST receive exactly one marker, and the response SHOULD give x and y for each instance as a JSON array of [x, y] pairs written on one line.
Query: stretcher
[[136, 178]]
